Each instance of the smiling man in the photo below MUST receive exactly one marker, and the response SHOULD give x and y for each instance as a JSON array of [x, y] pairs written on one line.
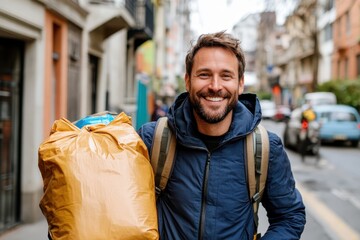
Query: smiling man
[[206, 195], [214, 84]]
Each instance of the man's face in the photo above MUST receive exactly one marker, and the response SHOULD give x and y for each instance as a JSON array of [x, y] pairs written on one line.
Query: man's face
[[214, 84]]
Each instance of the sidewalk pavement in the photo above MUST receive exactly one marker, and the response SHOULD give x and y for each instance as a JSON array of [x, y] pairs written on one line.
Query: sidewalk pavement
[[38, 230], [33, 231]]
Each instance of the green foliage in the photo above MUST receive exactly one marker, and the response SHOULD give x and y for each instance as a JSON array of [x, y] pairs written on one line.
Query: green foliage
[[346, 91], [181, 84], [264, 95]]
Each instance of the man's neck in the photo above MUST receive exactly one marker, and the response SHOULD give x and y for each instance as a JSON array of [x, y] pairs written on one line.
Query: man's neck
[[213, 129]]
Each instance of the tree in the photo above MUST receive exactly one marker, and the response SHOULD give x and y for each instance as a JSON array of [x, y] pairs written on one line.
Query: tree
[[346, 91]]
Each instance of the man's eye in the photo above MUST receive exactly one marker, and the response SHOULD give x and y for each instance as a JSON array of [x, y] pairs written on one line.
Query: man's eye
[[227, 76], [203, 75]]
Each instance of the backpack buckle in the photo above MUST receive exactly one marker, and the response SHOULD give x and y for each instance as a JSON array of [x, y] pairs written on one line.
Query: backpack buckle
[[157, 191], [256, 197]]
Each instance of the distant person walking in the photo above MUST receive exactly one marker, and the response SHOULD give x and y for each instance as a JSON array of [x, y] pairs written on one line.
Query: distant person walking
[[160, 110], [307, 117]]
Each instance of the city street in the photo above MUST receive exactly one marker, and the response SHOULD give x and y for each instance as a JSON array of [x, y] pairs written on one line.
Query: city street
[[69, 59], [329, 188]]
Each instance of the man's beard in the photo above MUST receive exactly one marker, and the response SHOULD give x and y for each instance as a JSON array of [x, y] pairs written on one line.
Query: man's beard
[[207, 116]]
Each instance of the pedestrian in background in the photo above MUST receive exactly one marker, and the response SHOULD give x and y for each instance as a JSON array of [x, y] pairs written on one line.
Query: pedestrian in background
[[160, 110], [207, 196], [308, 123]]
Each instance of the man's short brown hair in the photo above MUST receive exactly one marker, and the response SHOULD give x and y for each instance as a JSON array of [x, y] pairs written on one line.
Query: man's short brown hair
[[218, 39]]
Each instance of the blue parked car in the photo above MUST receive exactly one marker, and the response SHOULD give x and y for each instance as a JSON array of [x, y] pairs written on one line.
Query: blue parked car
[[339, 123]]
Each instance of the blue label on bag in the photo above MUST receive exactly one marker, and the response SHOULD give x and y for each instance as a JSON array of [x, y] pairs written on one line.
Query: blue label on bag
[[91, 120]]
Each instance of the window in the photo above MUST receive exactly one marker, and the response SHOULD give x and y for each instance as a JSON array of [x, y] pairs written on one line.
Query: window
[[329, 5], [342, 117], [348, 23], [328, 32]]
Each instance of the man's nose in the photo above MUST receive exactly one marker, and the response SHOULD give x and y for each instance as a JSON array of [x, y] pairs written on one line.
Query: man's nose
[[215, 83]]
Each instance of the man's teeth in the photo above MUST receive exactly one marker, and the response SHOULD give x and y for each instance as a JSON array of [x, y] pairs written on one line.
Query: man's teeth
[[214, 99]]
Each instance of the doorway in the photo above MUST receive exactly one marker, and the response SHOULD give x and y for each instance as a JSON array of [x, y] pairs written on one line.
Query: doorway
[[11, 75]]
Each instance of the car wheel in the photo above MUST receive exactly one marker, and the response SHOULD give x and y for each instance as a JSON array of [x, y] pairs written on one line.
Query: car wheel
[[315, 149], [299, 145], [286, 140], [354, 143]]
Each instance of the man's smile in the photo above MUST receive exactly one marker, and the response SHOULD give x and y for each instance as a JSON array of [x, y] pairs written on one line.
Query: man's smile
[[214, 99]]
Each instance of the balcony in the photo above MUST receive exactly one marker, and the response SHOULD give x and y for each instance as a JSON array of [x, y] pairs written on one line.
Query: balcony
[[109, 16], [144, 27]]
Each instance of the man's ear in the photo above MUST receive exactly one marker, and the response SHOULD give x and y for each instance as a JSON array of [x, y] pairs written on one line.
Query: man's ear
[[187, 82], [241, 85]]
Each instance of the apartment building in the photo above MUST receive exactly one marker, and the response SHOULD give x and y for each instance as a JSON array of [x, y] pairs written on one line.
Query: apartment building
[[346, 57], [59, 58], [325, 24]]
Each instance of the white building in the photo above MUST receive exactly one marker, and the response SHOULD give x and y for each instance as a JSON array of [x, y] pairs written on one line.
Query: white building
[[325, 25], [246, 30]]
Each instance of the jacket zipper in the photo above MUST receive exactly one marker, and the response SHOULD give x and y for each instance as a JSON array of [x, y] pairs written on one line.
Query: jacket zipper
[[204, 194]]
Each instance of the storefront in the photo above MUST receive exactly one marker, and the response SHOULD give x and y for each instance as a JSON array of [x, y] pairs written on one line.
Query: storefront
[[11, 75]]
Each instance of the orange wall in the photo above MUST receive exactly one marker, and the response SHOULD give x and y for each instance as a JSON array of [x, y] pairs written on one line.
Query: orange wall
[[56, 41], [347, 44]]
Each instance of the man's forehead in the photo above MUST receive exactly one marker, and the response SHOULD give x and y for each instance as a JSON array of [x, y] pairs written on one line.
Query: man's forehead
[[211, 58]]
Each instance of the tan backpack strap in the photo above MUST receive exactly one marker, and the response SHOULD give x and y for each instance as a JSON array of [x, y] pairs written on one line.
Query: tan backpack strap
[[250, 164], [162, 153], [257, 155], [265, 158]]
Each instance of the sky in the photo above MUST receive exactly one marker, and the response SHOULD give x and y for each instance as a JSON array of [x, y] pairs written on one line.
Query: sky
[[216, 15]]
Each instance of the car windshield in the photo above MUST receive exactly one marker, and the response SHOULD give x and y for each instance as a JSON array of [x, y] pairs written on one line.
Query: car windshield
[[338, 116], [267, 104]]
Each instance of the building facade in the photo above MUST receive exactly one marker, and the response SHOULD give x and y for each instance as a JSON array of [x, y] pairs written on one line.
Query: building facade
[[346, 57], [325, 24], [323, 45], [246, 31], [59, 58], [172, 40]]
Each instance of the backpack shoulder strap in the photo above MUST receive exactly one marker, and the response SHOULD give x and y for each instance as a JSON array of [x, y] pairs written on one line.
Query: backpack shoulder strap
[[162, 154], [257, 159]]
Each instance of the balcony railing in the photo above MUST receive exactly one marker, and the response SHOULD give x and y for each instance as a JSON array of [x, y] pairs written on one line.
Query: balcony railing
[[130, 5], [149, 19], [144, 27]]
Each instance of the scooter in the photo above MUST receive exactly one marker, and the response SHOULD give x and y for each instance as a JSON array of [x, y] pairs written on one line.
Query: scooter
[[309, 139]]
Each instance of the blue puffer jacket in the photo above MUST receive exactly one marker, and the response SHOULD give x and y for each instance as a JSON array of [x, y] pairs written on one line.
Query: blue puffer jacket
[[207, 195]]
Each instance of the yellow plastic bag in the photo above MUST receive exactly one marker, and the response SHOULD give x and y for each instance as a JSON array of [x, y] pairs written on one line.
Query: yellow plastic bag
[[98, 182]]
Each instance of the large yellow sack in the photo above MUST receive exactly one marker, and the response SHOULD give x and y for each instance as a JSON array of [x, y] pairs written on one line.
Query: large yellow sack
[[98, 182]]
